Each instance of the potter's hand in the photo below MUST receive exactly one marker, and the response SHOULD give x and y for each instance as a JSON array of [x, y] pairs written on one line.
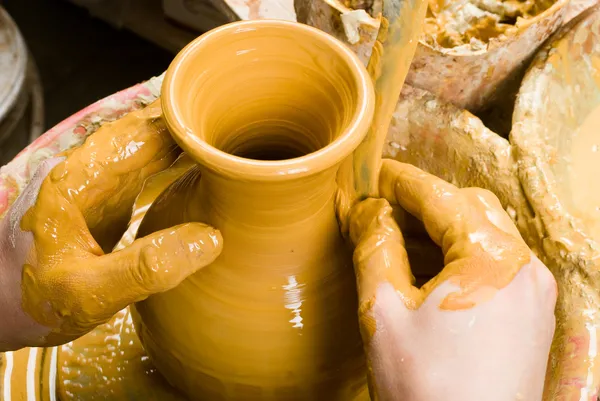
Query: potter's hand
[[481, 329], [56, 283]]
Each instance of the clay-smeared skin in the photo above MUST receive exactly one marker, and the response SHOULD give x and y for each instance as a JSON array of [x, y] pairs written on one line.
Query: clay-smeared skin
[[153, 187], [482, 328], [68, 285]]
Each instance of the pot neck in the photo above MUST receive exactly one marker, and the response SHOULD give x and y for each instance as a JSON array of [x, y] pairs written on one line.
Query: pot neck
[[268, 203]]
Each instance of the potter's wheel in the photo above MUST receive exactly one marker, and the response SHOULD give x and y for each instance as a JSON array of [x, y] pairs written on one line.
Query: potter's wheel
[[107, 364]]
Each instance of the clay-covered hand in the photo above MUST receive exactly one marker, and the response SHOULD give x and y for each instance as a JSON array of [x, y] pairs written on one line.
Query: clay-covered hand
[[482, 328], [56, 282]]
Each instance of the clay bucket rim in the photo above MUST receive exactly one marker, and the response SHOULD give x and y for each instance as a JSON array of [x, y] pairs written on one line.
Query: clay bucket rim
[[250, 169], [541, 184], [498, 42], [492, 45]]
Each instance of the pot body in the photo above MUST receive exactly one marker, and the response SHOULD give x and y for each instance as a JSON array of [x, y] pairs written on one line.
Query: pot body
[[270, 116], [274, 317]]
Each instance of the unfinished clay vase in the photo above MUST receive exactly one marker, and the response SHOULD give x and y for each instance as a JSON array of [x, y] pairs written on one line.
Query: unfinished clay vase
[[268, 110]]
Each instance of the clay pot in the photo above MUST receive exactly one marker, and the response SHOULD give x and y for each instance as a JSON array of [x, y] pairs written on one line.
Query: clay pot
[[470, 79], [269, 110]]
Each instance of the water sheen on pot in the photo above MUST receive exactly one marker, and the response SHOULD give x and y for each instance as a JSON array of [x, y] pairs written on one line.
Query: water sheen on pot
[[269, 110]]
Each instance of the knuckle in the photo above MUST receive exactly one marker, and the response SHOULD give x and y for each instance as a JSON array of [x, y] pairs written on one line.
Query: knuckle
[[146, 273], [140, 270], [548, 280], [544, 277], [482, 194]]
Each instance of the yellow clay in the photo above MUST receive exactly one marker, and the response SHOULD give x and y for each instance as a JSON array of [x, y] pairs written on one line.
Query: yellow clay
[[276, 110], [68, 284], [482, 247]]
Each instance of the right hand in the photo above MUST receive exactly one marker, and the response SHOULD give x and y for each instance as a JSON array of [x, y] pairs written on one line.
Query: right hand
[[56, 282], [482, 328]]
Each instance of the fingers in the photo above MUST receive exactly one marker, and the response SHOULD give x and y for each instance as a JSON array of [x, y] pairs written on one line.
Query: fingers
[[153, 264], [379, 256], [20, 243], [439, 204], [435, 202], [483, 251], [152, 189], [160, 261], [489, 205], [103, 176]]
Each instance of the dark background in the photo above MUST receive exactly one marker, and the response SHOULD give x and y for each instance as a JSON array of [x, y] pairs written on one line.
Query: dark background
[[81, 59]]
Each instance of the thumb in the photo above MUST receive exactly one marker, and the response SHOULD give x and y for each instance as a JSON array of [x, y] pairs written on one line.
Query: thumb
[[379, 258], [153, 264], [162, 260]]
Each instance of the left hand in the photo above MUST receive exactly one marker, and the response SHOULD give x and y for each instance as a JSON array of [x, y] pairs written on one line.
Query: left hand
[[56, 283]]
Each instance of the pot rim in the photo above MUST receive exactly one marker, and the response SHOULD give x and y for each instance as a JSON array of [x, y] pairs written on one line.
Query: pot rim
[[249, 169]]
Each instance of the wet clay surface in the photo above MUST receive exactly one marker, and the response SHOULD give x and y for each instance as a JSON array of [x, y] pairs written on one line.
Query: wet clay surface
[[401, 26], [274, 317], [479, 260], [82, 208], [531, 175], [110, 364], [580, 330], [412, 334], [74, 197]]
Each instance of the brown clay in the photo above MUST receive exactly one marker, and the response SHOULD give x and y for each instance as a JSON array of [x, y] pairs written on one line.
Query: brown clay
[[584, 165], [110, 364], [153, 186], [491, 153], [277, 108], [418, 347], [487, 250]]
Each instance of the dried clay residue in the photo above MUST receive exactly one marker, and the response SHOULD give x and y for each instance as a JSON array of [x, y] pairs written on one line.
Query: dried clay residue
[[467, 25], [470, 24], [584, 164]]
